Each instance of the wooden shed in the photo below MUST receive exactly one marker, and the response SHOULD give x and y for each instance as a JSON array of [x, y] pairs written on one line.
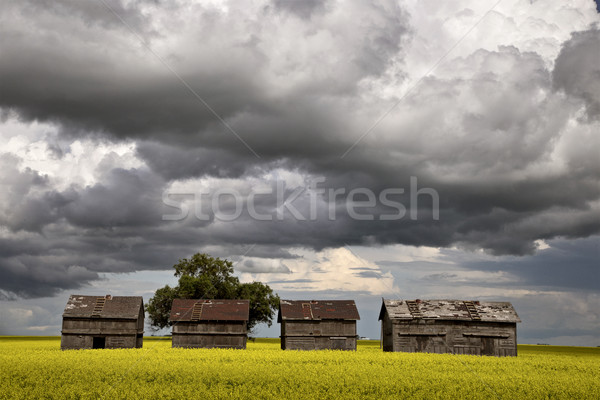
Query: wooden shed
[[318, 324], [111, 322], [210, 323], [449, 326]]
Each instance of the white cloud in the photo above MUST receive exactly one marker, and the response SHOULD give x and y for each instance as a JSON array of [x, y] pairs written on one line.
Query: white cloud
[[329, 270], [81, 161]]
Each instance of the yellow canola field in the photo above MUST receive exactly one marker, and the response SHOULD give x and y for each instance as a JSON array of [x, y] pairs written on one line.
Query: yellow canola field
[[35, 368]]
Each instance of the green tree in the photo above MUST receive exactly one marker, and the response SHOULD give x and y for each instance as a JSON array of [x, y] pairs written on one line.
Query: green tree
[[206, 277]]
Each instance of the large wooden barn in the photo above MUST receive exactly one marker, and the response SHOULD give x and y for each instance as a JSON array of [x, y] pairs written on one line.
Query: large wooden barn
[[210, 323], [93, 322], [318, 324], [449, 326]]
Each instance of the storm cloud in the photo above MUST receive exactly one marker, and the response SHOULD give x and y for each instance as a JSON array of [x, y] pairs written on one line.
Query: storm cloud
[[110, 109]]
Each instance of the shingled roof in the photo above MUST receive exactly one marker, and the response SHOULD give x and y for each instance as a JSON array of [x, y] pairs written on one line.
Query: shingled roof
[[117, 307], [209, 310], [459, 310], [317, 310]]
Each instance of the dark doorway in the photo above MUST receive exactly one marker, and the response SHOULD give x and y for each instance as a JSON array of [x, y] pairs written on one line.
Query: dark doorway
[[487, 348], [99, 343], [338, 344]]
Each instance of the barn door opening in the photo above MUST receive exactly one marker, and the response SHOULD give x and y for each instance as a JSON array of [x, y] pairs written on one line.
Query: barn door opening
[[487, 346], [338, 343], [99, 342]]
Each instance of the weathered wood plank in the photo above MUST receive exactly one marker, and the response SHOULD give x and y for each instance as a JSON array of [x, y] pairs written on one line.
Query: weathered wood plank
[[458, 337], [318, 335]]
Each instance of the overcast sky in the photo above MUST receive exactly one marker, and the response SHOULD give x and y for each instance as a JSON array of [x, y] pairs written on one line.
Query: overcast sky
[[348, 150]]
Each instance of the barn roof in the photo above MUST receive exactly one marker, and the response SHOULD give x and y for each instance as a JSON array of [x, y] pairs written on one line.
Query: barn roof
[[317, 310], [119, 307], [459, 310], [210, 310]]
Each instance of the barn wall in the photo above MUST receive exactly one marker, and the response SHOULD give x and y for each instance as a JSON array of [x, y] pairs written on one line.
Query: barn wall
[[85, 341], [318, 343], [210, 334], [139, 339], [71, 342], [210, 327], [121, 341], [318, 335], [209, 341], [458, 337], [320, 328], [103, 325], [79, 333], [387, 333], [140, 321]]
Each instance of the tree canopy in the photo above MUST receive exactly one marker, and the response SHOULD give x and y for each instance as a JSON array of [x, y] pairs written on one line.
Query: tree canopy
[[206, 277]]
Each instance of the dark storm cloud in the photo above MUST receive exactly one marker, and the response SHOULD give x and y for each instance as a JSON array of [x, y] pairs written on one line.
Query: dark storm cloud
[[99, 79], [577, 71], [173, 162], [566, 265], [124, 198], [493, 134], [65, 239], [19, 209], [94, 83], [31, 277]]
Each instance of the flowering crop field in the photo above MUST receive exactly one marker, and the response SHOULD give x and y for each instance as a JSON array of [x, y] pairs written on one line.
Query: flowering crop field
[[36, 368]]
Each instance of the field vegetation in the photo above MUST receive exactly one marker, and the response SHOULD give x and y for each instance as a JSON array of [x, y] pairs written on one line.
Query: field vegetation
[[36, 368]]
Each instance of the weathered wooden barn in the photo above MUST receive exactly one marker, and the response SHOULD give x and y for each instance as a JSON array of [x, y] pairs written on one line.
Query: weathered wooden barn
[[449, 326], [210, 323], [318, 324], [99, 322]]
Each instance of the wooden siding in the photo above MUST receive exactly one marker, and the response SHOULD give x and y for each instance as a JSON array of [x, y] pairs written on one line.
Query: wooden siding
[[73, 342], [104, 326], [210, 341], [318, 335], [457, 337], [79, 333], [210, 334]]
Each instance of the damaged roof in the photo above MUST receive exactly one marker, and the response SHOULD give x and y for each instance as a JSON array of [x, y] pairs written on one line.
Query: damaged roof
[[209, 310], [317, 310], [118, 307], [459, 310]]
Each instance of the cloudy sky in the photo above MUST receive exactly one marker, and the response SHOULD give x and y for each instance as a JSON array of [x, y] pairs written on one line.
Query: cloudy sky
[[349, 150]]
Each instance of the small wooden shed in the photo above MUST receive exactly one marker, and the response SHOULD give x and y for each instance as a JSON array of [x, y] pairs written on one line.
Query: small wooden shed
[[98, 322], [210, 323], [318, 324], [449, 326]]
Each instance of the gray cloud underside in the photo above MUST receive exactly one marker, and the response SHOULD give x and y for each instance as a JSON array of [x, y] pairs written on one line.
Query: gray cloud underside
[[474, 136], [566, 266]]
